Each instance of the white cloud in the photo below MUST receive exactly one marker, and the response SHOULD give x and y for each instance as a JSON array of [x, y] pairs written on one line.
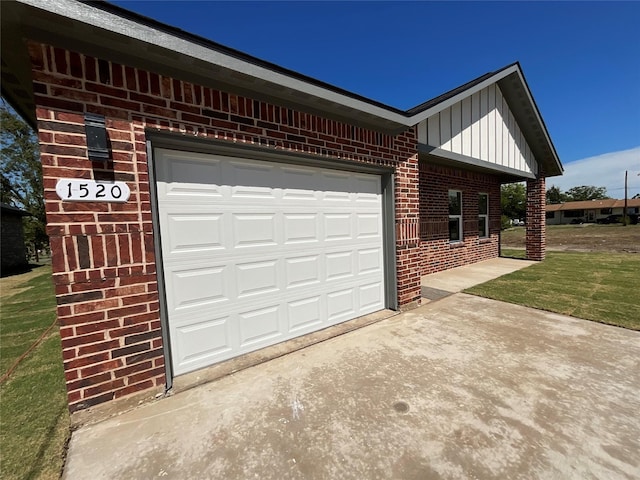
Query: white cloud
[[605, 170]]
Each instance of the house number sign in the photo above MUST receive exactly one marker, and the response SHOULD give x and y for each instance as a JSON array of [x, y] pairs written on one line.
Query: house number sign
[[80, 190]]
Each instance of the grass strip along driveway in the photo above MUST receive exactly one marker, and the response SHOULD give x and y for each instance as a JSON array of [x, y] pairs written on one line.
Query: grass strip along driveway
[[602, 287], [34, 419]]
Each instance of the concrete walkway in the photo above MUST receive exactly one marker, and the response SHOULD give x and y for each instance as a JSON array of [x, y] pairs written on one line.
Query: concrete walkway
[[462, 388], [442, 284]]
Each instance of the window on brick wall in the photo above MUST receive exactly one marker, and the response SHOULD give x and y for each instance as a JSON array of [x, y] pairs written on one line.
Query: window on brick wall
[[483, 215], [455, 216]]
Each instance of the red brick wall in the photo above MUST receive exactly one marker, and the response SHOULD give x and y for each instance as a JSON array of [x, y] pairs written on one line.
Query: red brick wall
[[437, 253], [535, 241], [103, 254]]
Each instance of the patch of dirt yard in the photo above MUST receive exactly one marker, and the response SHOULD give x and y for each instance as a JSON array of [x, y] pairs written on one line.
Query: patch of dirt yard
[[581, 238]]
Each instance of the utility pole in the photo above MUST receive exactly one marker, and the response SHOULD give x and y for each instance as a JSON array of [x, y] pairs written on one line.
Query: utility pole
[[624, 218]]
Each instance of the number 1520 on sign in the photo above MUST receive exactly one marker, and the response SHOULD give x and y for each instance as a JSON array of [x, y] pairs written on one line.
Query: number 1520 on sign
[[80, 190]]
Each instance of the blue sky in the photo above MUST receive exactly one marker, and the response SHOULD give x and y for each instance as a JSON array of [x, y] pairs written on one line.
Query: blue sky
[[581, 60]]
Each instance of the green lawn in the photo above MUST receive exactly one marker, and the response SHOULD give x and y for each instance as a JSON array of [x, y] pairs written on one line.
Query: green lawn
[[34, 418], [602, 287]]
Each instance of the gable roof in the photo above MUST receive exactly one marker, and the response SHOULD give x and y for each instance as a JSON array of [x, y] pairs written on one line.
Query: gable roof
[[591, 204], [516, 91], [108, 31]]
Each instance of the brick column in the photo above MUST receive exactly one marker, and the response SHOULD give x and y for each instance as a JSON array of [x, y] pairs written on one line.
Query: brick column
[[408, 254], [536, 219]]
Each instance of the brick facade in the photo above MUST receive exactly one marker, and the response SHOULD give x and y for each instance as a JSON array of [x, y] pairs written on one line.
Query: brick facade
[[103, 253], [536, 219], [437, 252]]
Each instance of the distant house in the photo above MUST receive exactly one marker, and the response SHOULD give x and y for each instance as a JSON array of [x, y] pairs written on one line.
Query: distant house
[[591, 211], [14, 252]]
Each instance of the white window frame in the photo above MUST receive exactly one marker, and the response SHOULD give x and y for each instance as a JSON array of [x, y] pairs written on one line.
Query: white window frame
[[484, 217], [455, 216]]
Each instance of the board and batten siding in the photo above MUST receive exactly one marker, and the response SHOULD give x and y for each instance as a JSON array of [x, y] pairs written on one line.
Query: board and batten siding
[[480, 126]]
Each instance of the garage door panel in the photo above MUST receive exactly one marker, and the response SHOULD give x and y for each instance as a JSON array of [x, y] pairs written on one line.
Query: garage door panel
[[369, 260], [252, 179], [254, 229], [189, 176], [302, 271], [257, 278], [299, 185], [339, 265], [195, 232], [337, 226], [264, 194], [299, 179], [369, 225], [341, 304], [305, 313], [198, 287], [297, 196], [300, 228], [367, 188], [337, 197], [338, 186], [265, 253], [200, 342], [370, 296], [260, 325]]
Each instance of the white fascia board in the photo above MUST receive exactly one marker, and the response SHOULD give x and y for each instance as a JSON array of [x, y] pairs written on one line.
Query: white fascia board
[[107, 21]]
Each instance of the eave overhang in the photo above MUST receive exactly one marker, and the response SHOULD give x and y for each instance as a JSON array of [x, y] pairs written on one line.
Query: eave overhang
[[437, 156], [110, 32]]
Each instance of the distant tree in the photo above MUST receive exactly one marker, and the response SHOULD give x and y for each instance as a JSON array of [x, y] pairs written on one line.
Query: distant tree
[[21, 174], [586, 192], [513, 199], [555, 195]]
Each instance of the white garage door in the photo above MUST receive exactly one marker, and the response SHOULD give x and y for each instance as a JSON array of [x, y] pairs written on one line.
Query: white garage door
[[256, 252]]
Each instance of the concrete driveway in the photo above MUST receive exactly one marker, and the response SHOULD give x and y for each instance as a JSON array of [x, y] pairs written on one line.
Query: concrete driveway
[[462, 388]]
